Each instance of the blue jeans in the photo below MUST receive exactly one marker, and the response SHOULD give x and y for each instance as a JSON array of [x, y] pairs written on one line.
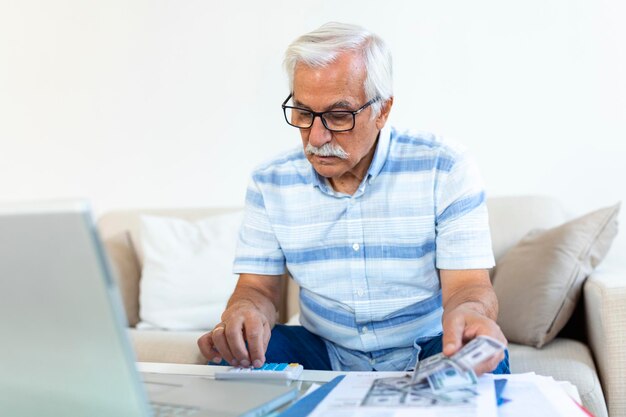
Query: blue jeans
[[297, 344]]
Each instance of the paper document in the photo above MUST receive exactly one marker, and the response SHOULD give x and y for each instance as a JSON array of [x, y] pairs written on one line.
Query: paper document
[[537, 396], [370, 395]]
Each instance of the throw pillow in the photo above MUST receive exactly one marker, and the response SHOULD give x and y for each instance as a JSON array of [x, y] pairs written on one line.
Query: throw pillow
[[187, 273], [539, 281]]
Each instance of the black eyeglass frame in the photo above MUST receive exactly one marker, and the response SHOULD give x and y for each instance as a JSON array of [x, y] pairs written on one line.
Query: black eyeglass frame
[[321, 114]]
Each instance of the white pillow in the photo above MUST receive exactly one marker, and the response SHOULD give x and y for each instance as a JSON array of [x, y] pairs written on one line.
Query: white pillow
[[187, 273]]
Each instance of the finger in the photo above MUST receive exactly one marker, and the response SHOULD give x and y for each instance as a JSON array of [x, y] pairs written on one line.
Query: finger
[[222, 346], [490, 329], [255, 332], [452, 334], [266, 335], [205, 345], [489, 365], [470, 332], [234, 335], [486, 327], [207, 349]]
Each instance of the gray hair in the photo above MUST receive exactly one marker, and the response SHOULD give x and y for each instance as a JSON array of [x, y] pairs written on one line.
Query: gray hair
[[321, 47]]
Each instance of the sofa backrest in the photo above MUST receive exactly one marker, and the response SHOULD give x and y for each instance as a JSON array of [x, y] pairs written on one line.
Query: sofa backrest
[[510, 219]]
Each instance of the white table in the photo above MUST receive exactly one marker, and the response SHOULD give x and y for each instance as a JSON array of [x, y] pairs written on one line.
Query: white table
[[304, 382]]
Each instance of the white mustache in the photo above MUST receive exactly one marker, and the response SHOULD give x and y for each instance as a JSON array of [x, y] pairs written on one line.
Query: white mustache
[[327, 149]]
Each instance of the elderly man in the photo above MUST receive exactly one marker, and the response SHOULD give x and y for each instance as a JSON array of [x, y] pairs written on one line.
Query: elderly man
[[386, 232]]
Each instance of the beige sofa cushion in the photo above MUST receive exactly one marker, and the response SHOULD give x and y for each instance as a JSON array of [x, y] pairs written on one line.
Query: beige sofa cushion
[[564, 360], [539, 281], [187, 275], [168, 347], [119, 231]]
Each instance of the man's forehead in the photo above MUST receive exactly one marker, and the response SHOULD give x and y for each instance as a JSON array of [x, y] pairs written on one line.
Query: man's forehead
[[336, 85]]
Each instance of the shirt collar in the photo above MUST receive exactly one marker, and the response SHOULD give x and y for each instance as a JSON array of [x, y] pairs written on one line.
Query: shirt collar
[[316, 179], [380, 155]]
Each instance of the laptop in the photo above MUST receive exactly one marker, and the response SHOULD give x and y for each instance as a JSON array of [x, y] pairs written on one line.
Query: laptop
[[64, 350]]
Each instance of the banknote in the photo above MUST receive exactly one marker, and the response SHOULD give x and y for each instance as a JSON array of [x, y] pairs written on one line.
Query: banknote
[[428, 367], [458, 396], [450, 378], [476, 351], [471, 354], [398, 391]]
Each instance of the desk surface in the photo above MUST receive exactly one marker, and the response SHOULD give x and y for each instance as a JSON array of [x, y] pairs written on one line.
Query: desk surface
[[308, 376], [209, 371]]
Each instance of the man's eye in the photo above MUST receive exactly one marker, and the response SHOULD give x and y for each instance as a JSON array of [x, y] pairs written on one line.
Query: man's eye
[[302, 114], [338, 116]]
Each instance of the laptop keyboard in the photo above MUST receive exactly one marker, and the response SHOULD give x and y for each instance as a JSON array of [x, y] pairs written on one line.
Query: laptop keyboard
[[171, 410]]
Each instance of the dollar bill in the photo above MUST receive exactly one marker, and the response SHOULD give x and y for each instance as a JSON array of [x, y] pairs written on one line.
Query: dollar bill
[[471, 354], [459, 396], [429, 367], [477, 351], [450, 378], [399, 391]]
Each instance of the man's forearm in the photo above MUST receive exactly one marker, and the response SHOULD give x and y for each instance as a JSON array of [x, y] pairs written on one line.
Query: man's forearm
[[470, 289], [479, 298]]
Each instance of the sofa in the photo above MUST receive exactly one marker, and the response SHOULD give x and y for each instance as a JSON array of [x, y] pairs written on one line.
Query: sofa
[[590, 352]]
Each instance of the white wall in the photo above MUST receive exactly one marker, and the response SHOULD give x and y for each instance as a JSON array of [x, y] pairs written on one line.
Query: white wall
[[172, 103]]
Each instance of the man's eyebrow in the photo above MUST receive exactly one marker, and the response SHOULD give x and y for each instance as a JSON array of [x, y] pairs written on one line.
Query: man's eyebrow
[[339, 105]]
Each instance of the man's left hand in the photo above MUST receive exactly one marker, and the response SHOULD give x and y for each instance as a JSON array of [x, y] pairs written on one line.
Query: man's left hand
[[463, 324]]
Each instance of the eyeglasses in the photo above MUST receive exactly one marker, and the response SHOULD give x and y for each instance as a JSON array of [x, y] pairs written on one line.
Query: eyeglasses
[[333, 120]]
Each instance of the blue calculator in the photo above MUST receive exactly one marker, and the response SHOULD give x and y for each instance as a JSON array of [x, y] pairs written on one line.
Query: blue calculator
[[283, 371]]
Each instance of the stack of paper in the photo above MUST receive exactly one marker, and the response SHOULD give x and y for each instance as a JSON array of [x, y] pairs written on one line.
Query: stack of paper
[[370, 395], [537, 396]]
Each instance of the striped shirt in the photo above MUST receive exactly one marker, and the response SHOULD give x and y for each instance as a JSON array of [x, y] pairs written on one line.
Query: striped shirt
[[367, 263]]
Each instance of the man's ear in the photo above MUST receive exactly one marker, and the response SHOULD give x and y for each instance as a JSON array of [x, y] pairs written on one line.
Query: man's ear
[[381, 119]]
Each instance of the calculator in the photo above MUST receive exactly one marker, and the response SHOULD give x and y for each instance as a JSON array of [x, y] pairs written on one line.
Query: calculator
[[284, 371]]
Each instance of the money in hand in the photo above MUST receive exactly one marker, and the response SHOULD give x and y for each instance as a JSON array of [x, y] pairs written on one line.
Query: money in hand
[[476, 351], [473, 353]]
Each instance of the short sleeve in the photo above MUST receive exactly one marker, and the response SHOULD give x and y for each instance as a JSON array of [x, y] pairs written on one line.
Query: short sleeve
[[258, 250], [463, 239]]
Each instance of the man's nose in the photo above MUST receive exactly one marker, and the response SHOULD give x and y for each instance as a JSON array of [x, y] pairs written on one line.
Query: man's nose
[[318, 134]]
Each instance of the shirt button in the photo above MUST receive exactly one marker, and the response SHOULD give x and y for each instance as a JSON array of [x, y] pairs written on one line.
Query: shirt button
[[364, 329], [353, 201], [360, 292], [372, 361], [356, 246]]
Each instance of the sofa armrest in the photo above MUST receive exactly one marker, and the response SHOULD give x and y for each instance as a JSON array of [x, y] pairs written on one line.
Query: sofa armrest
[[166, 346], [605, 306]]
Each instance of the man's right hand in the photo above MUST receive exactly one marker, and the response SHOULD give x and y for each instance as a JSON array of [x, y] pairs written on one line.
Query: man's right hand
[[241, 338], [241, 323]]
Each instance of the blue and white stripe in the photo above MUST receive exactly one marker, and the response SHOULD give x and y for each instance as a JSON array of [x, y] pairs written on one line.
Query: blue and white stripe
[[367, 263]]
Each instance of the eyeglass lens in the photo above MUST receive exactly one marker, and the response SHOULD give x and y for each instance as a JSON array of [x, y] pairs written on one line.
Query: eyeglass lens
[[334, 120]]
